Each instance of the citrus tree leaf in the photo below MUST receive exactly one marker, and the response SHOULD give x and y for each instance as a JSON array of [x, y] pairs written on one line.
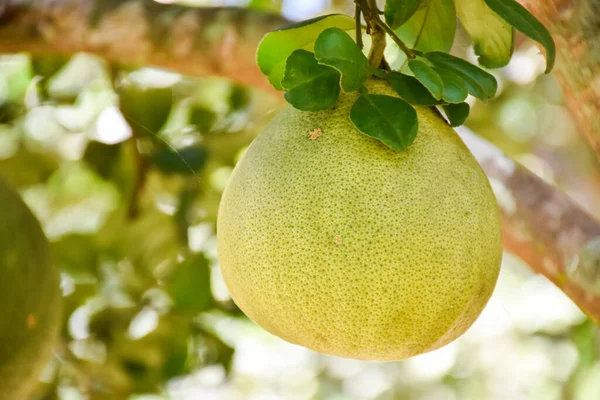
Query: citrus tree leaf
[[455, 88], [411, 90], [516, 15], [309, 85], [428, 77], [432, 26], [189, 284], [276, 46], [481, 84], [493, 38], [397, 12], [388, 119], [457, 113], [185, 161], [335, 48]]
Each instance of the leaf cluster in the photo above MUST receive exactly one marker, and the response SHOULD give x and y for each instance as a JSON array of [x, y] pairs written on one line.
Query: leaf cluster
[[316, 60]]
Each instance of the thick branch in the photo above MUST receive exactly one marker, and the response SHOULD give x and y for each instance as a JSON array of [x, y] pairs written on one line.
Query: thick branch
[[541, 224], [575, 27], [194, 41]]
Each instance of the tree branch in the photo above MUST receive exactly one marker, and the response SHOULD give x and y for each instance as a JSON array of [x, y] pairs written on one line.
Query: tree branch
[[575, 27], [194, 41], [541, 225]]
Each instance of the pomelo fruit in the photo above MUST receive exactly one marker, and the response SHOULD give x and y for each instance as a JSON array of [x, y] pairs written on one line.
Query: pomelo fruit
[[30, 297], [330, 240]]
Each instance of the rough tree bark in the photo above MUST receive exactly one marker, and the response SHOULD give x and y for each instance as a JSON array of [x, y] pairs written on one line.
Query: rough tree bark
[[541, 225]]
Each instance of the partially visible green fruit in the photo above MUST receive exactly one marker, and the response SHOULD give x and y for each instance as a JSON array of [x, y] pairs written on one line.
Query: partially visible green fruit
[[30, 298], [329, 239]]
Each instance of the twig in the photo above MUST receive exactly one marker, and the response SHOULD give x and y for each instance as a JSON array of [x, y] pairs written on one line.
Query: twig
[[359, 40], [409, 53]]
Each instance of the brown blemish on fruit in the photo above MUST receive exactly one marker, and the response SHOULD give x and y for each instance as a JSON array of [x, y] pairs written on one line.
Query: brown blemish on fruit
[[315, 134], [31, 321]]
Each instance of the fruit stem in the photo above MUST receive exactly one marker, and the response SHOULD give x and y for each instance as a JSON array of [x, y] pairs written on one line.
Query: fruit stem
[[378, 29], [359, 40], [377, 33], [409, 53]]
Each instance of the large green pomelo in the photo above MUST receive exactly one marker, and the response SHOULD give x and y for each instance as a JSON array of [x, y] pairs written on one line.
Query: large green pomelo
[[30, 297], [349, 248]]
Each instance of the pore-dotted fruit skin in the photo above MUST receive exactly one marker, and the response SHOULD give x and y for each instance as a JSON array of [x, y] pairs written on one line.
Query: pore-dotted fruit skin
[[342, 245], [30, 298]]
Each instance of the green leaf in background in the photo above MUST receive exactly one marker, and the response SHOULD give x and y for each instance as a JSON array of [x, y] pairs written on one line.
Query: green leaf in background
[[397, 12], [431, 28], [189, 284], [411, 90], [428, 77], [185, 161], [310, 86], [277, 46], [455, 88], [135, 101], [493, 38], [516, 15], [481, 84], [388, 119], [457, 113], [202, 118], [335, 48], [273, 6]]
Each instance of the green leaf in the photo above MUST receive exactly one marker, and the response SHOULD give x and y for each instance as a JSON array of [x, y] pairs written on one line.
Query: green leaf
[[457, 113], [335, 48], [388, 119], [431, 28], [455, 88], [310, 86], [516, 15], [185, 161], [397, 12], [202, 118], [481, 84], [277, 46], [428, 77], [189, 284], [135, 101], [493, 38], [411, 90]]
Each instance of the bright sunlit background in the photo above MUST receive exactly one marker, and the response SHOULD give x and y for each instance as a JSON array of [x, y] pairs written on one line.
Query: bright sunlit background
[[64, 142]]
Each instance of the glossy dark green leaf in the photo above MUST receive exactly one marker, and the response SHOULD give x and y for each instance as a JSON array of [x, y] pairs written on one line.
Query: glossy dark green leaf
[[185, 161], [335, 48], [457, 113], [411, 90], [310, 86], [428, 77], [388, 119], [397, 12], [481, 84], [516, 15], [493, 38], [277, 46], [189, 284], [455, 88]]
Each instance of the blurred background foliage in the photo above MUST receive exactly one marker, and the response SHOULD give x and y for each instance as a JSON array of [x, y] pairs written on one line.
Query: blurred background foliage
[[125, 169]]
